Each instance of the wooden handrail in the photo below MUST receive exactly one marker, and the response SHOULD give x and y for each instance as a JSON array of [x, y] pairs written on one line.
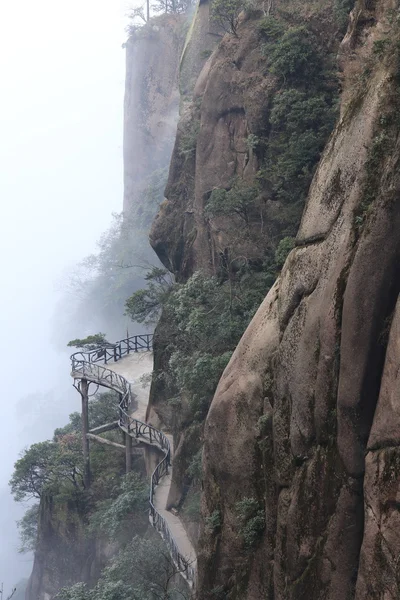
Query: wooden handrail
[[84, 367]]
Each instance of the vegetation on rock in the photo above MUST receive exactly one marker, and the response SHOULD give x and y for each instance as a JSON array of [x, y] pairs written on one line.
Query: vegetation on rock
[[226, 14], [103, 280], [142, 570], [54, 468]]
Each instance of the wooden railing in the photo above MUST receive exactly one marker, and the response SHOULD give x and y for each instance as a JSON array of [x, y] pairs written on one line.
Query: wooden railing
[[114, 352], [84, 367]]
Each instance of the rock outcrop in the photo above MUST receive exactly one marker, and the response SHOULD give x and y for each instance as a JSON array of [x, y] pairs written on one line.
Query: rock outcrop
[[151, 99], [305, 417], [226, 104], [64, 554]]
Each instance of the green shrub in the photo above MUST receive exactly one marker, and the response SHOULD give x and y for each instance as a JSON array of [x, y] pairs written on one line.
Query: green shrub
[[142, 570], [91, 342], [120, 513], [251, 519], [188, 139], [28, 527], [294, 56], [283, 249], [271, 28], [300, 119], [239, 200], [192, 506], [213, 522], [195, 467], [252, 141], [341, 10], [379, 47]]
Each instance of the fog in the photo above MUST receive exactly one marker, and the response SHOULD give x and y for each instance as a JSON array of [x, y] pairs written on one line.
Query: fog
[[62, 74]]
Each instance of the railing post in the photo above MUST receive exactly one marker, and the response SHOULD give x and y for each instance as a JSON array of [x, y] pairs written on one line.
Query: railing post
[[128, 452], [84, 389], [129, 426]]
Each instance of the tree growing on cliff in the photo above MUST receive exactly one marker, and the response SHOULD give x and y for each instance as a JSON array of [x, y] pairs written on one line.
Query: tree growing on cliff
[[119, 516], [144, 305], [89, 343], [103, 408], [48, 465], [27, 527], [225, 13], [142, 570], [240, 200], [172, 6]]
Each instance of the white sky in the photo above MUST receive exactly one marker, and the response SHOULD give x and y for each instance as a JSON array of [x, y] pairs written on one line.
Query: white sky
[[62, 83]]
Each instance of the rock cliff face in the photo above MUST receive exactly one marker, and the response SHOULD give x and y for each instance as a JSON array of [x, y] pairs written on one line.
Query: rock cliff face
[[304, 426], [64, 554], [151, 99], [229, 102], [223, 136], [305, 417]]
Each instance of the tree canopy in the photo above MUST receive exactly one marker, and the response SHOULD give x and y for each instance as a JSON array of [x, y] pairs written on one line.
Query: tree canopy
[[46, 465], [91, 342]]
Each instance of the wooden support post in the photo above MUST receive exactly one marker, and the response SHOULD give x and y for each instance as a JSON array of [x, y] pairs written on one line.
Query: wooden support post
[[128, 453], [85, 430], [128, 444]]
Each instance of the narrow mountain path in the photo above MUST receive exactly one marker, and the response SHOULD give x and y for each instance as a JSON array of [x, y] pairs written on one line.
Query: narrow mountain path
[[133, 367], [123, 365]]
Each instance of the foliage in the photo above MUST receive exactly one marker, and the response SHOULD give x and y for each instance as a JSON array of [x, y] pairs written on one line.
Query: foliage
[[213, 522], [188, 139], [226, 14], [252, 141], [380, 47], [285, 245], [295, 56], [48, 466], [91, 342], [27, 527], [104, 280], [341, 10], [172, 6], [144, 305], [252, 520], [103, 408], [192, 506], [195, 467], [205, 319], [302, 115], [239, 200], [271, 28], [128, 502], [143, 570], [56, 467]]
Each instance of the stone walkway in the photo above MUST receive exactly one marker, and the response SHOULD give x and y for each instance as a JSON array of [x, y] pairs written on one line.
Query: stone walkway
[[132, 367]]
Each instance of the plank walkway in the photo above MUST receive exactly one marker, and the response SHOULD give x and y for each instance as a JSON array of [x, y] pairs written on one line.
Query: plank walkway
[[132, 368]]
